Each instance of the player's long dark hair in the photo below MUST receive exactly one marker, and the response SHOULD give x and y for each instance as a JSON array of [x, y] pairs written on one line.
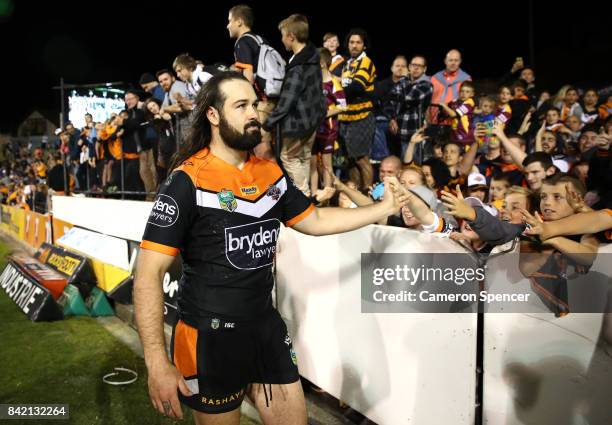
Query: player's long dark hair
[[199, 133]]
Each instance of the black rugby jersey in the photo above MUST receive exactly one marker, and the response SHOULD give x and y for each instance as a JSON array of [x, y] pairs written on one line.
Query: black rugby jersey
[[225, 223]]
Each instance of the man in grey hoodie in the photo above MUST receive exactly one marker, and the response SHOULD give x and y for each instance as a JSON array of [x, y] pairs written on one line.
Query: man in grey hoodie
[[301, 105]]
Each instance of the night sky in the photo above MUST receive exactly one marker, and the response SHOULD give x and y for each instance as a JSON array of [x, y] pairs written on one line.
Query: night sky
[[99, 41]]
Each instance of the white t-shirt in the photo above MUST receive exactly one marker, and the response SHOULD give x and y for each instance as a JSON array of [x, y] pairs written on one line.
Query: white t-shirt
[[199, 77]]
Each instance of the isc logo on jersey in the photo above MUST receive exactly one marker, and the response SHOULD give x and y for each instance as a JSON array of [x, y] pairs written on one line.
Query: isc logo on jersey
[[253, 245], [165, 211]]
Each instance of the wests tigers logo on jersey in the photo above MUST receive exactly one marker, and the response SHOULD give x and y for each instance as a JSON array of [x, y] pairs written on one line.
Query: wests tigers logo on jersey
[[273, 192]]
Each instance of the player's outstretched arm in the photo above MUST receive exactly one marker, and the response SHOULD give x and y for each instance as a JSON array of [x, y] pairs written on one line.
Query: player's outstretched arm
[[328, 221]]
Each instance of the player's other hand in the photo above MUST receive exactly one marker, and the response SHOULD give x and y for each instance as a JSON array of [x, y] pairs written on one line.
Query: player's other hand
[[164, 383]]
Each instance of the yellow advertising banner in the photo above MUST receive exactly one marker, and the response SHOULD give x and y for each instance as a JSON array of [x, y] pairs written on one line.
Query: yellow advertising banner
[[108, 276], [5, 218], [17, 224]]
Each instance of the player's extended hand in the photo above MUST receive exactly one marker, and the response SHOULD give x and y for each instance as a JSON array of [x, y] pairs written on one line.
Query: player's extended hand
[[457, 206], [393, 193], [402, 194], [164, 380]]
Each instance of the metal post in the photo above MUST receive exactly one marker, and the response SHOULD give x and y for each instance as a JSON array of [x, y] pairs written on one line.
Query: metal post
[[277, 144], [178, 132], [63, 106], [62, 124], [421, 152], [122, 174], [87, 169], [65, 173]]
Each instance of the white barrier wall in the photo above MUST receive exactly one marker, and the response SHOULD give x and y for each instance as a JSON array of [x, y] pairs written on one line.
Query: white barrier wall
[[394, 368], [417, 368], [123, 219], [107, 249], [543, 370]]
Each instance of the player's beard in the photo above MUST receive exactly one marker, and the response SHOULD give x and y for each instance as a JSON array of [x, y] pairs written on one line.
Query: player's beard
[[244, 141]]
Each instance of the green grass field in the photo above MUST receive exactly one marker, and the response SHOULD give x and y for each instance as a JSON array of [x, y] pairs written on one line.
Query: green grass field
[[63, 362]]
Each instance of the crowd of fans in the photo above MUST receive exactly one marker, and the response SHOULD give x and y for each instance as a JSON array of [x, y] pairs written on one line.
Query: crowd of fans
[[520, 153]]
